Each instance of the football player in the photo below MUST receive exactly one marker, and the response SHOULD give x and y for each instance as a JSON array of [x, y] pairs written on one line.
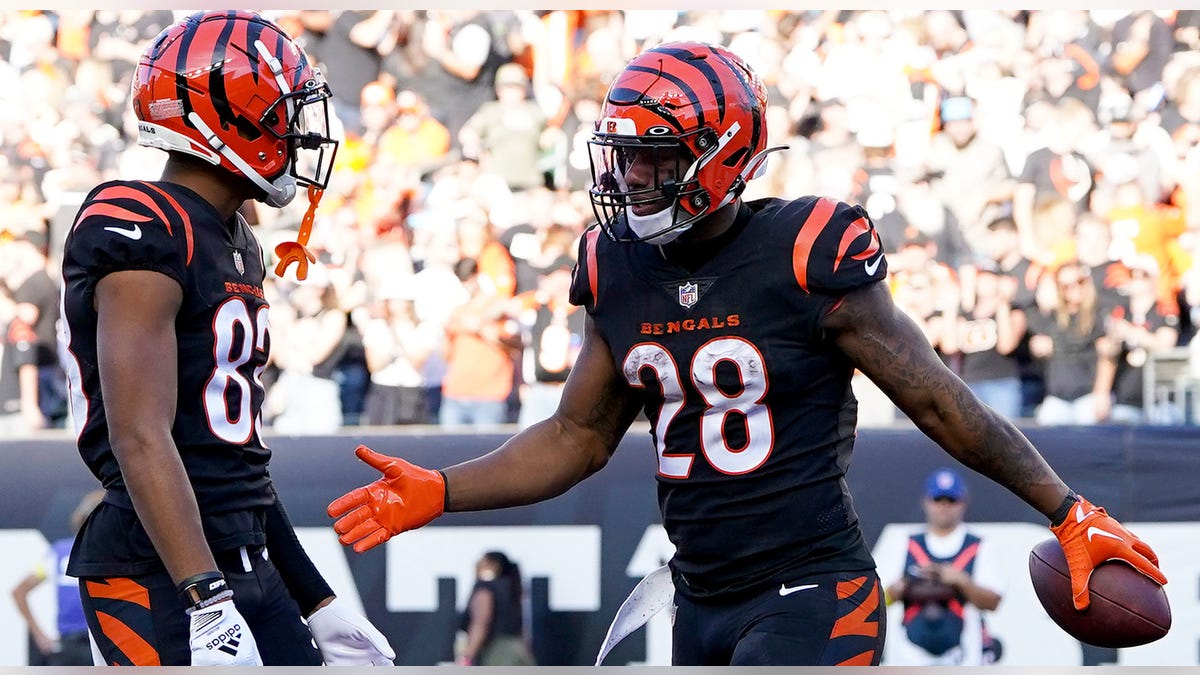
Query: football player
[[735, 326], [190, 557]]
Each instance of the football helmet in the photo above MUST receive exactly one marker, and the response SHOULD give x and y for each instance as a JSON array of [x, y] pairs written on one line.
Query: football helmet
[[231, 88], [682, 129]]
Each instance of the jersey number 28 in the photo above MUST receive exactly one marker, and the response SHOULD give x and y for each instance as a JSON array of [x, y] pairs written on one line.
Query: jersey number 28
[[748, 361]]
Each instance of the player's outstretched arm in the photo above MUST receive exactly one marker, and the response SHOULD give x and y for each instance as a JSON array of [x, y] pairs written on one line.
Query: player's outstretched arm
[[541, 462], [551, 456], [890, 349]]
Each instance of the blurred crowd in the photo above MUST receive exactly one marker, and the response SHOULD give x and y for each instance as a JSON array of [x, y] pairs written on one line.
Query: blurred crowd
[[1035, 177]]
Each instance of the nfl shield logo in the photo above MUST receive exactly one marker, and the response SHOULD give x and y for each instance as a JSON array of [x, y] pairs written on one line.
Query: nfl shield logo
[[237, 262], [689, 293]]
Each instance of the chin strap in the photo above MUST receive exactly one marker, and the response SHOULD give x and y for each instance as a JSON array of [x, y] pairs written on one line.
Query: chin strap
[[754, 168], [297, 251]]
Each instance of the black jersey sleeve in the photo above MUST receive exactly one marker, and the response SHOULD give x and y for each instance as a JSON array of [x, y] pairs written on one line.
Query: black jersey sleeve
[[585, 277], [128, 225], [836, 246]]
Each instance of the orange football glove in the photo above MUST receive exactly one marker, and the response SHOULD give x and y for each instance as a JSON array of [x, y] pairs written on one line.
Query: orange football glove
[[1089, 536], [407, 497]]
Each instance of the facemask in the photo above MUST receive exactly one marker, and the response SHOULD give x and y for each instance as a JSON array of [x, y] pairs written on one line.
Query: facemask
[[645, 226]]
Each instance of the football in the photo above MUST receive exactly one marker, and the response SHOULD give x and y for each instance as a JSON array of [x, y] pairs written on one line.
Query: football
[[1127, 607]]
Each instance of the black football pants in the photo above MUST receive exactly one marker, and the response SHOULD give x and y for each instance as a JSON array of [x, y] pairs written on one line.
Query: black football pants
[[141, 621]]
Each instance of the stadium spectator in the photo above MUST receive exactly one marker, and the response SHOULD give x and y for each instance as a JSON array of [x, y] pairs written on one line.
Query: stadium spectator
[[552, 330], [1143, 330], [968, 172], [1055, 171], [946, 581], [509, 135], [986, 336], [415, 141], [461, 50], [398, 345], [68, 644], [1094, 249], [1013, 80], [1080, 355], [481, 348], [31, 340], [310, 332], [494, 618]]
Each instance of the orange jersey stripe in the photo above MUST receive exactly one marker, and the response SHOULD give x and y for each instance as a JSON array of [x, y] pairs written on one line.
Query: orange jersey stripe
[[592, 266], [817, 219], [866, 658], [126, 192], [112, 211], [856, 229], [855, 622], [187, 220], [118, 588], [133, 646]]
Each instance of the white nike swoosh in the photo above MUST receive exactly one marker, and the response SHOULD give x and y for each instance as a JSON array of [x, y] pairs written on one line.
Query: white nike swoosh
[[872, 267], [135, 233], [784, 590], [1092, 531]]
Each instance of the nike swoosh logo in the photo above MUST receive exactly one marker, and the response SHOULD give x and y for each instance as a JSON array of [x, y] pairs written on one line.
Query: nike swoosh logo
[[135, 233], [871, 268], [1092, 531], [785, 591]]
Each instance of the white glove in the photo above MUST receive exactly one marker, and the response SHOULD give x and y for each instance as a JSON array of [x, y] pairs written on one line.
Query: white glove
[[346, 638], [219, 635]]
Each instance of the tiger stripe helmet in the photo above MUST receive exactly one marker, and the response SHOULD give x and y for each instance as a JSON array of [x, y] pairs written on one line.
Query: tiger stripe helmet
[[697, 99], [230, 87]]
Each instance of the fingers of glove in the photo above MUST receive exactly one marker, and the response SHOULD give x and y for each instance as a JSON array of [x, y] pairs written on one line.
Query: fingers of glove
[[1079, 590], [379, 643], [359, 531], [352, 520], [1142, 563], [372, 540], [354, 498], [388, 466], [1144, 549]]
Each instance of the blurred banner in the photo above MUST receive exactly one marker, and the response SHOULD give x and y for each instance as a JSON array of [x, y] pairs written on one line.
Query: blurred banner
[[581, 553]]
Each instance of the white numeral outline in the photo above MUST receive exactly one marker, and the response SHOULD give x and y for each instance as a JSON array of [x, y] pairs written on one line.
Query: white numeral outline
[[750, 365]]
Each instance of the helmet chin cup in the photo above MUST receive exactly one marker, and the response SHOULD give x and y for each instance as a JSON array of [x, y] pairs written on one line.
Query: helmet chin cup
[[276, 193], [285, 192], [646, 227]]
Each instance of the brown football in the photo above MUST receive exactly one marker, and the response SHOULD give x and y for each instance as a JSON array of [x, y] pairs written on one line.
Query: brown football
[[1127, 607]]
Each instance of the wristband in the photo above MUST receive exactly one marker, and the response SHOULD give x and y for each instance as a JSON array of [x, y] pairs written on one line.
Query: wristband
[[445, 491], [1064, 509], [200, 588]]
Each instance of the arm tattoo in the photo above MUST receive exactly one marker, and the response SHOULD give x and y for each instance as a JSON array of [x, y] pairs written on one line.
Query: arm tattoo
[[612, 413], [890, 349]]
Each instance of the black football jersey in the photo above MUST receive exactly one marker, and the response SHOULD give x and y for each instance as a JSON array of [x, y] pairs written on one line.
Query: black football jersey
[[751, 409], [223, 343]]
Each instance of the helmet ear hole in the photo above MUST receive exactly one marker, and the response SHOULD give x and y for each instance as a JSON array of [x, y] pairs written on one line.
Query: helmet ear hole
[[736, 158]]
